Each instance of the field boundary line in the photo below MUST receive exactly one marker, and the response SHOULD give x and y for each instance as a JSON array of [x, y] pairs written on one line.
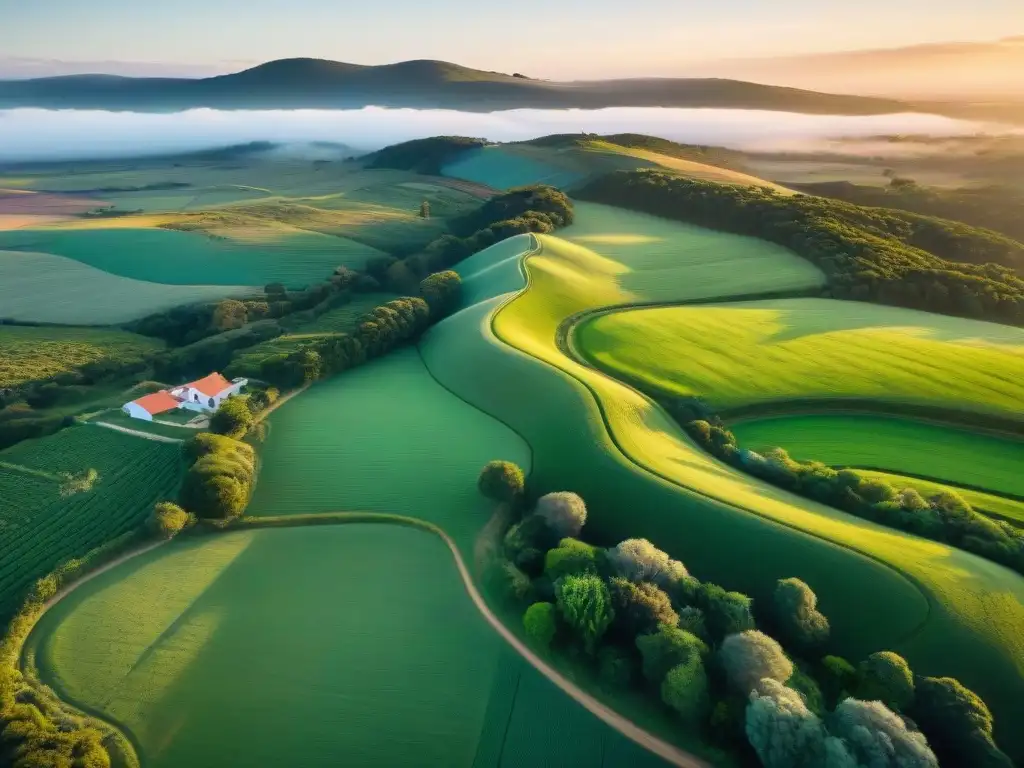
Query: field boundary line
[[668, 752], [137, 433]]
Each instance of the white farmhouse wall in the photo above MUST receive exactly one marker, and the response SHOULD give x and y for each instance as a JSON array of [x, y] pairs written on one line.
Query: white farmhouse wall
[[137, 411]]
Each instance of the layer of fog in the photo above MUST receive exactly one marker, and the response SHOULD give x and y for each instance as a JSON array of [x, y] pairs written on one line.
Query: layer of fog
[[36, 134]]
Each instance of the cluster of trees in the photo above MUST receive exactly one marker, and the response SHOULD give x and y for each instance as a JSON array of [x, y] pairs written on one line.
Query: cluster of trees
[[427, 156], [995, 208], [219, 478], [377, 333], [944, 517], [167, 520], [642, 621], [868, 254], [539, 208]]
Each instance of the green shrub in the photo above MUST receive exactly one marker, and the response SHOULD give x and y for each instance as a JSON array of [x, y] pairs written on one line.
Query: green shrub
[[886, 677], [751, 657], [571, 557], [219, 481], [539, 621], [957, 723], [667, 648], [797, 615], [442, 291], [838, 678], [685, 689], [233, 418], [585, 604], [501, 481], [167, 520], [639, 608]]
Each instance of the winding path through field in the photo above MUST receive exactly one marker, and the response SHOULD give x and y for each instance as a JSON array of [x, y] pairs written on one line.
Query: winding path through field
[[666, 751]]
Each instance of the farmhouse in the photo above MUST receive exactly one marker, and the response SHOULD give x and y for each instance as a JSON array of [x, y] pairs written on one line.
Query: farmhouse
[[203, 395]]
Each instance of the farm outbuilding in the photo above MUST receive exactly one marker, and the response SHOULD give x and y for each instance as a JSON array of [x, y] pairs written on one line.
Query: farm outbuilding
[[147, 407], [203, 395]]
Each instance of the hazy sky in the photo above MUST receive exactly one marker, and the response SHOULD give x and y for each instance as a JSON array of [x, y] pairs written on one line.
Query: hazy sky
[[544, 38]]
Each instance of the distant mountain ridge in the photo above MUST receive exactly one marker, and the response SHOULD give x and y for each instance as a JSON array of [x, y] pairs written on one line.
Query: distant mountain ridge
[[324, 84]]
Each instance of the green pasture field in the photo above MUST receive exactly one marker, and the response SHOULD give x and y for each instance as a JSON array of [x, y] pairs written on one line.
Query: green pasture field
[[384, 437], [335, 322], [172, 257], [30, 353], [43, 524], [503, 167], [396, 669], [42, 288], [1001, 507], [494, 270], [642, 476], [384, 664], [901, 446], [803, 349]]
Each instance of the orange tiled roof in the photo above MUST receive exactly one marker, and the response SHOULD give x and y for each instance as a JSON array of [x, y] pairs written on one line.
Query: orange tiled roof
[[158, 402], [210, 385]]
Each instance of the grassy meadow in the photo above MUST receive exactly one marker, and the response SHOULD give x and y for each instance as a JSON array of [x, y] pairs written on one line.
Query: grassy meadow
[[643, 477], [30, 353], [901, 446], [252, 256], [42, 288], [51, 510], [385, 437], [398, 669], [772, 351]]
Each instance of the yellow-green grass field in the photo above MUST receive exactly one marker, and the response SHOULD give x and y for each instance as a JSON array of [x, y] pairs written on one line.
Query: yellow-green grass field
[[30, 353], [690, 169], [804, 349], [905, 446], [335, 322], [643, 477], [42, 288], [354, 640], [1002, 507], [384, 437], [45, 519], [634, 257]]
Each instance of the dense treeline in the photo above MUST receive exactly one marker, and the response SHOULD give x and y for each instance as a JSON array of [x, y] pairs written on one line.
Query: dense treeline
[[994, 208], [220, 477], [642, 621], [868, 254], [944, 517], [427, 156], [538, 208]]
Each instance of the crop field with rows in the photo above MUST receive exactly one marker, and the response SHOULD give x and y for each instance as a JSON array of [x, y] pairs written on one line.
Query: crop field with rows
[[42, 522]]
